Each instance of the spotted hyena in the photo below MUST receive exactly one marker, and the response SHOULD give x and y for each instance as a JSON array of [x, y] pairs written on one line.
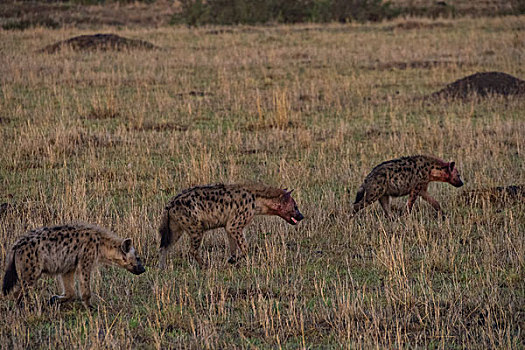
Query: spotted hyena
[[198, 209], [65, 251], [405, 176]]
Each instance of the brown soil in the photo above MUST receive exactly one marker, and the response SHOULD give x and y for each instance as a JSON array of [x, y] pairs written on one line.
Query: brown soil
[[102, 113], [101, 42], [159, 126], [408, 25], [483, 84], [414, 65]]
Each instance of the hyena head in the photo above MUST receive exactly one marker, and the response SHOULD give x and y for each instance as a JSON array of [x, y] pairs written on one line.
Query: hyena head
[[454, 177], [286, 208], [449, 173], [125, 256]]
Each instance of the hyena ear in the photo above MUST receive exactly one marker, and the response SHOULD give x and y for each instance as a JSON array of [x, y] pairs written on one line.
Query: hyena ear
[[451, 166], [126, 246], [286, 195]]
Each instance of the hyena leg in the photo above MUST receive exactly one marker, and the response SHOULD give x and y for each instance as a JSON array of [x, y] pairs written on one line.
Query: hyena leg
[[412, 200], [363, 199], [164, 250], [237, 240], [23, 290], [431, 200], [84, 279], [196, 240], [233, 245], [385, 204], [67, 282], [28, 278]]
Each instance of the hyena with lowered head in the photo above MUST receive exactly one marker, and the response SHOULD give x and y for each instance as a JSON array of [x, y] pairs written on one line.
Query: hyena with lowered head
[[65, 251], [405, 176], [198, 209]]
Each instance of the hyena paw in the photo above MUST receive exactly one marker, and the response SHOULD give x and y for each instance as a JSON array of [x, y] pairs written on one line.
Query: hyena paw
[[440, 215], [88, 306], [21, 304], [234, 259], [58, 299], [55, 299]]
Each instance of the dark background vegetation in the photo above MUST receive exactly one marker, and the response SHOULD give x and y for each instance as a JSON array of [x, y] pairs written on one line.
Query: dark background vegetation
[[196, 12], [54, 14]]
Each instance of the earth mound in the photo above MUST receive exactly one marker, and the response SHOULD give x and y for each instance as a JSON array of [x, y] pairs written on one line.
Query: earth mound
[[483, 84], [99, 42]]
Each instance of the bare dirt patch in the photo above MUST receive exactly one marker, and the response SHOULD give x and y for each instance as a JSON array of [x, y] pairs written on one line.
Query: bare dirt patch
[[409, 25], [99, 42], [102, 113], [219, 31], [414, 65], [483, 84], [159, 126], [194, 93]]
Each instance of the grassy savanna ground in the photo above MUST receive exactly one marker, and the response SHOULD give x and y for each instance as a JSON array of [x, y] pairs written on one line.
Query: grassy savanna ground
[[109, 137]]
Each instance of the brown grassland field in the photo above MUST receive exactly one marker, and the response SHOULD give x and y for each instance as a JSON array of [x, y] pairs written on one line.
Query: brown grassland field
[[108, 137]]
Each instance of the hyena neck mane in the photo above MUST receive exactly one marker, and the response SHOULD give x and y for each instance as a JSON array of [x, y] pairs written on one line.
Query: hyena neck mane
[[437, 162], [264, 191], [109, 245], [439, 169], [431, 160], [266, 198]]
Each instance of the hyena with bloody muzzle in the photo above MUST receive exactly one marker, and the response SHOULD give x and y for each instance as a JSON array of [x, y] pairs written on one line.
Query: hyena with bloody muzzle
[[202, 208], [65, 251], [405, 176]]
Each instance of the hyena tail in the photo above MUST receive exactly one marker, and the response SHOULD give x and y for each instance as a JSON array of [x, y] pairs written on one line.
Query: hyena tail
[[360, 195], [11, 276], [164, 230]]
